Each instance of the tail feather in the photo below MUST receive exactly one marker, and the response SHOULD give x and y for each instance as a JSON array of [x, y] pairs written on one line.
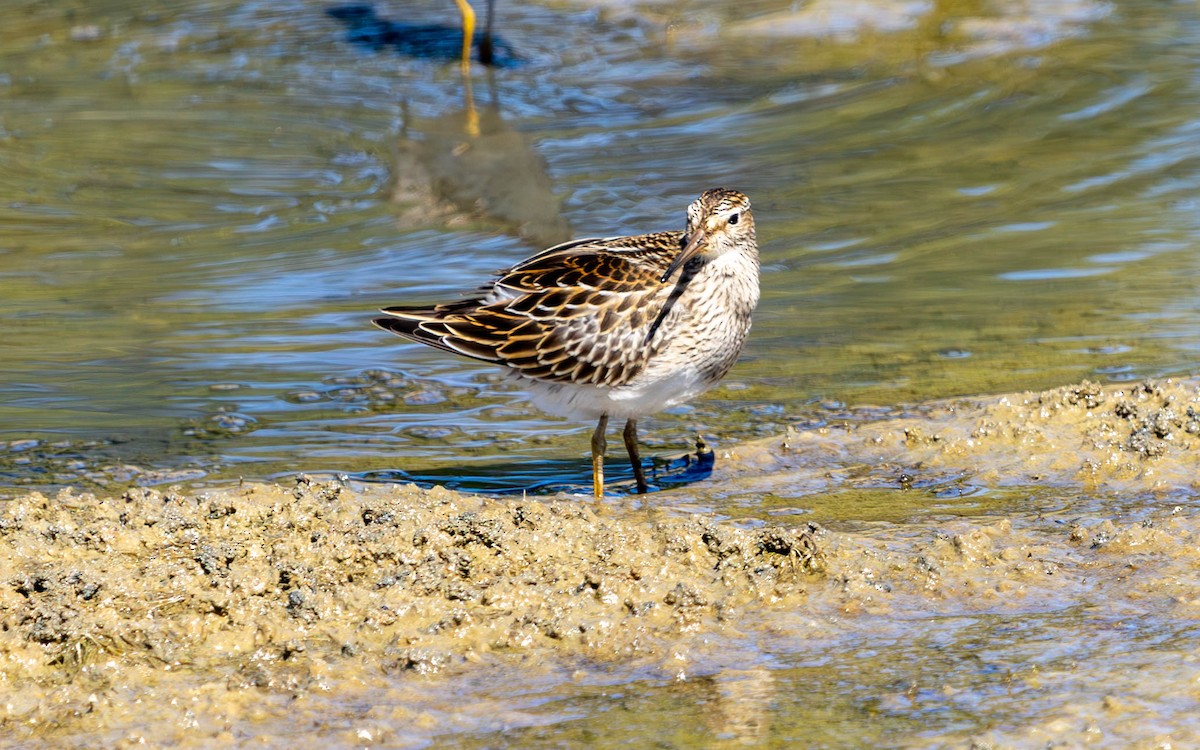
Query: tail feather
[[410, 328], [426, 326], [437, 311]]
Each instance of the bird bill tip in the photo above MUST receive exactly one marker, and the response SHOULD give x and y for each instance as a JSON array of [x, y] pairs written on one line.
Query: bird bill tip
[[689, 251]]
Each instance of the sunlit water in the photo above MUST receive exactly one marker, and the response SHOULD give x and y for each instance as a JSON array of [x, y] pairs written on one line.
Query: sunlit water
[[203, 203], [201, 215]]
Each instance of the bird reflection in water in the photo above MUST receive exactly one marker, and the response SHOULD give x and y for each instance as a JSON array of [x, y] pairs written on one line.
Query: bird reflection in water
[[469, 160]]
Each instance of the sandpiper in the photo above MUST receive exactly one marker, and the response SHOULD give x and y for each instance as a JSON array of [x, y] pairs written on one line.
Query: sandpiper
[[615, 327]]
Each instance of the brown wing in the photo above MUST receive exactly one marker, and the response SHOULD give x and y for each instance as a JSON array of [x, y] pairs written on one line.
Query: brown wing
[[615, 263], [580, 312]]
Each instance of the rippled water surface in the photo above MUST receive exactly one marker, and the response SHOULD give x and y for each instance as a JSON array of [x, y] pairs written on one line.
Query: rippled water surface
[[202, 204]]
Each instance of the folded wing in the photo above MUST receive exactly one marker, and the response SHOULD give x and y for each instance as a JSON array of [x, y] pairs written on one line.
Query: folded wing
[[582, 312]]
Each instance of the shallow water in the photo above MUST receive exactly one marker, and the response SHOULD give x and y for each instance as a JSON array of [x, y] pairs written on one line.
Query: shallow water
[[202, 211], [203, 203]]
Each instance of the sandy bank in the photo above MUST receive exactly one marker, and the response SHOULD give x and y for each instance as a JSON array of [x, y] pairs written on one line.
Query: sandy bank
[[184, 618]]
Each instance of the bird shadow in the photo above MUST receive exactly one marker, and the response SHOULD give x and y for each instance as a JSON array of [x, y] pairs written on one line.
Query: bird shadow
[[426, 41], [551, 477]]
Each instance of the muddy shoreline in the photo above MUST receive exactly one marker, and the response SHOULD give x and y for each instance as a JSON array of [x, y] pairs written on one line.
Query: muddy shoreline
[[181, 618]]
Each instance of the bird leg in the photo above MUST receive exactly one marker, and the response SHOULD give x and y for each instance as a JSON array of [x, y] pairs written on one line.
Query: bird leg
[[598, 446], [635, 459], [468, 24], [487, 53]]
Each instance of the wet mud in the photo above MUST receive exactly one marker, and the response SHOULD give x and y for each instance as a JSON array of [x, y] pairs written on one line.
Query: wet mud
[[267, 588], [1142, 437], [322, 612]]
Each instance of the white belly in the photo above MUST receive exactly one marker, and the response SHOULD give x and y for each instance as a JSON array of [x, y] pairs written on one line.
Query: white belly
[[626, 402]]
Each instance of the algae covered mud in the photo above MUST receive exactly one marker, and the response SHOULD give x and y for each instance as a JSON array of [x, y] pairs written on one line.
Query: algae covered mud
[[1040, 586]]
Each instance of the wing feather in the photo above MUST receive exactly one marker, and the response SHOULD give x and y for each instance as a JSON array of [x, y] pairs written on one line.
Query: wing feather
[[579, 312]]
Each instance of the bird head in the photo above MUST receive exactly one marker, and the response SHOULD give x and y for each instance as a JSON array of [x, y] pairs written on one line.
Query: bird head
[[719, 221]]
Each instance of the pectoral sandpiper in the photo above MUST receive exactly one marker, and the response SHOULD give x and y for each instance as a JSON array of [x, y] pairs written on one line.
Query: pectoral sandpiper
[[616, 327]]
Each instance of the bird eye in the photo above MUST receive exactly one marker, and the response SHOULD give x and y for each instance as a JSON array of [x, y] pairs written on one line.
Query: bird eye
[[733, 218]]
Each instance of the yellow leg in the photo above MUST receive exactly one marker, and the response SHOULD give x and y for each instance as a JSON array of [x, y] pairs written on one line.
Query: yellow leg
[[468, 24], [472, 126], [598, 446]]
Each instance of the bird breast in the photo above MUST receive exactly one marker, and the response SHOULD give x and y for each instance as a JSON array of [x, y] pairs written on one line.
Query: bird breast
[[690, 348]]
